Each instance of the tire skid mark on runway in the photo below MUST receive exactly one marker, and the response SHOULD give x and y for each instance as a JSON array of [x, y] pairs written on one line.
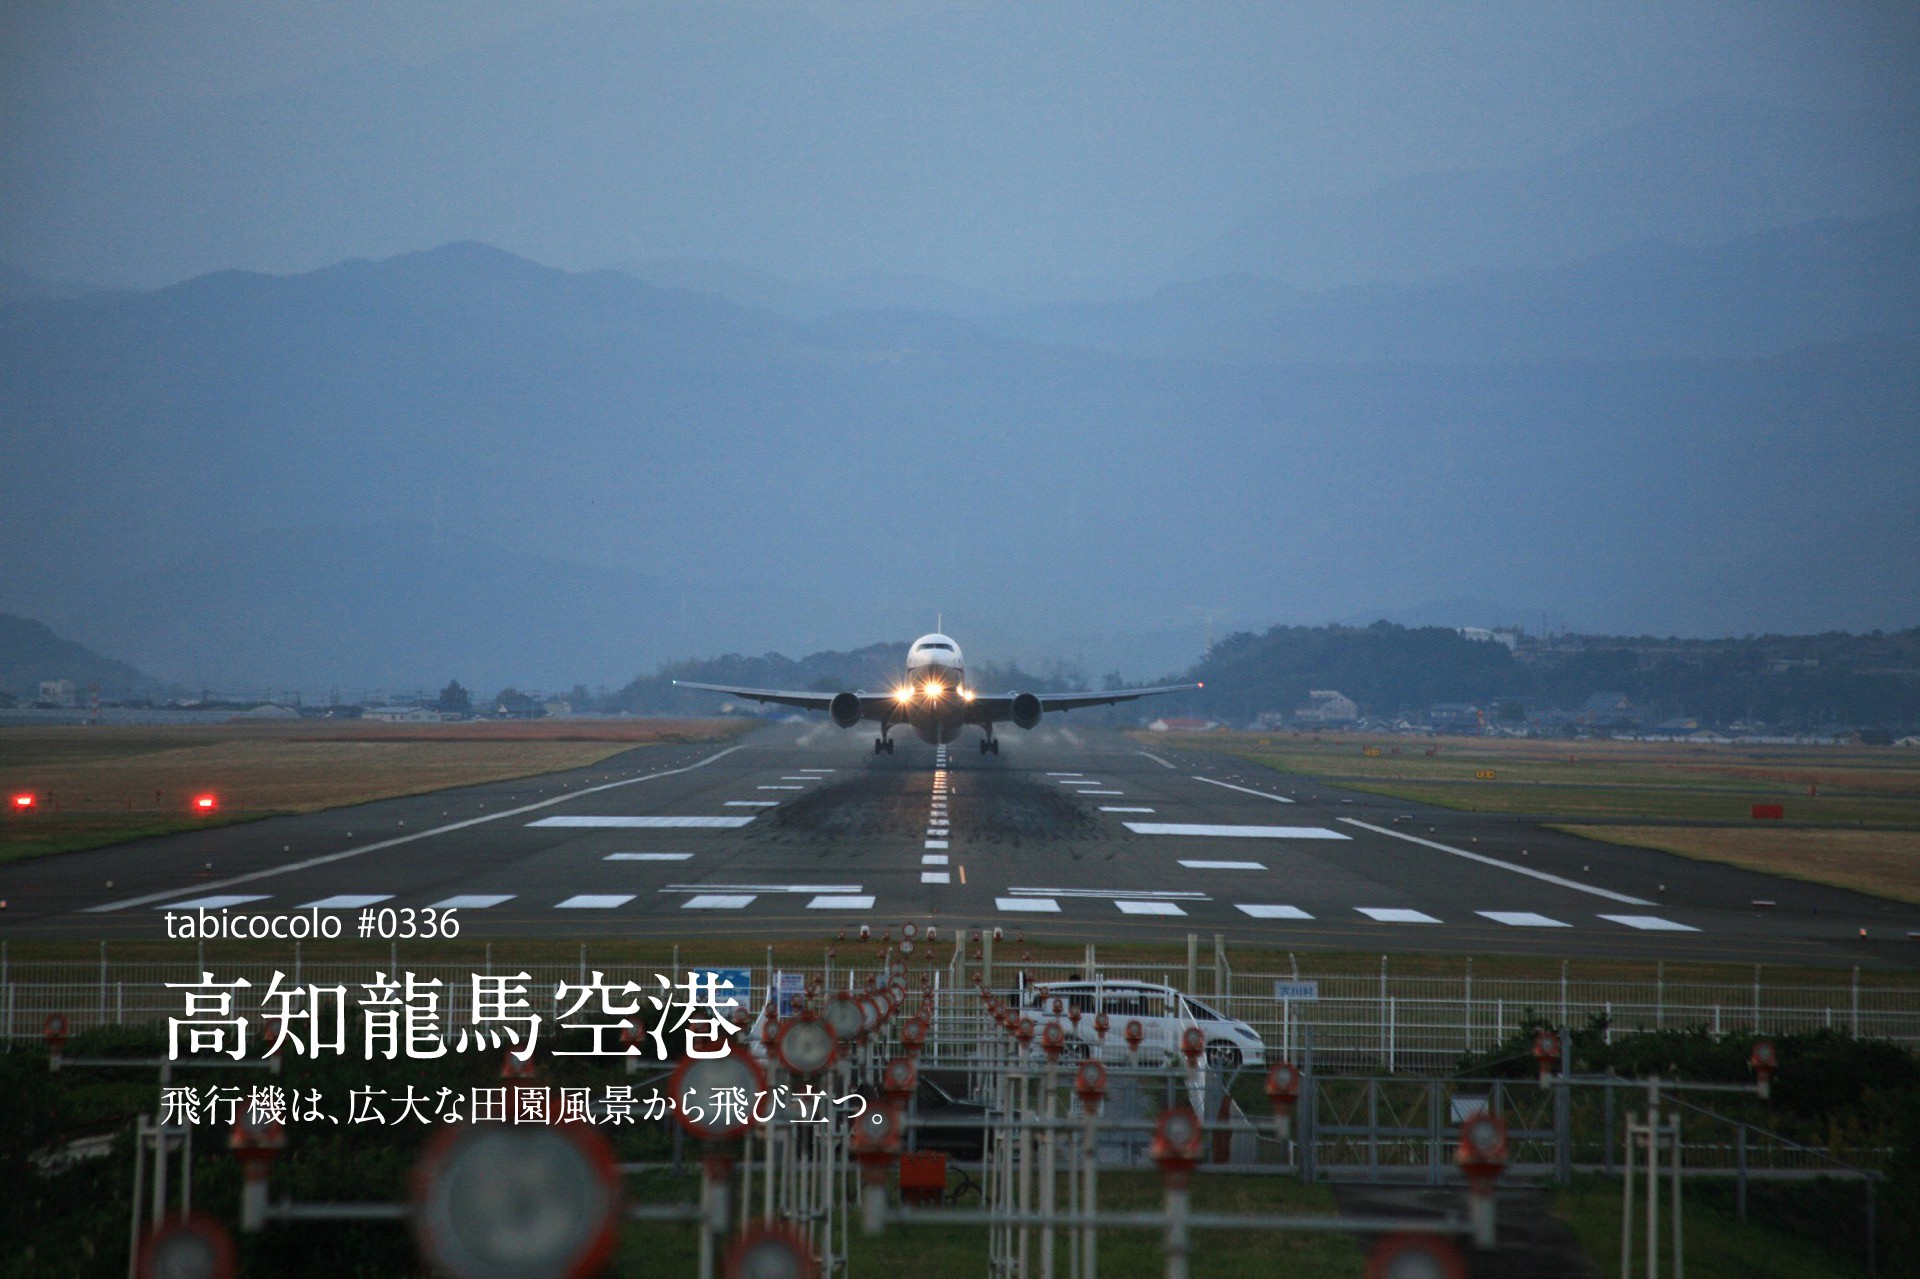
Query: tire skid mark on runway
[[1484, 860]]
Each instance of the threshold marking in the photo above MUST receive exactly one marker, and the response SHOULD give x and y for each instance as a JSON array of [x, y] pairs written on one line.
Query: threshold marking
[[832, 902], [779, 788], [1031, 905], [1116, 808], [1392, 915], [1224, 865], [1650, 923], [718, 901], [753, 803], [1103, 792], [761, 888], [595, 901], [1234, 832], [1244, 790], [347, 901], [473, 901], [1113, 894], [1521, 919], [644, 823], [647, 857], [1134, 907], [403, 839], [215, 902], [933, 859], [1272, 912], [936, 877], [1484, 860], [935, 843]]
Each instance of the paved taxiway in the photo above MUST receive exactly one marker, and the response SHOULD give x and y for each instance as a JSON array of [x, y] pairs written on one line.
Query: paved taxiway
[[1073, 834]]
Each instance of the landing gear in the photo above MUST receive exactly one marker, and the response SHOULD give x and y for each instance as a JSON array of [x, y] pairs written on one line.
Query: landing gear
[[883, 745], [989, 746]]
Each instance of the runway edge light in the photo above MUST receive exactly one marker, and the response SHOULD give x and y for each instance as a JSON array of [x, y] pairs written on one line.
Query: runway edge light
[[205, 802]]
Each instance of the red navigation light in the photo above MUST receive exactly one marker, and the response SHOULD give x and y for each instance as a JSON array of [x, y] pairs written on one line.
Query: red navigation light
[[204, 803], [24, 800]]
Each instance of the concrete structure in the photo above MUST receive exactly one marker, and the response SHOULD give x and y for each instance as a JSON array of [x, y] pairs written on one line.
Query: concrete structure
[[401, 714]]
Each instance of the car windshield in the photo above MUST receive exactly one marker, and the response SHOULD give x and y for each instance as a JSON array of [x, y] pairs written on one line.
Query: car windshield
[[1204, 1013]]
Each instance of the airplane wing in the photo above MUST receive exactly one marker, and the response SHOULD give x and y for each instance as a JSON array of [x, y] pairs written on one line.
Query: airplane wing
[[872, 705], [994, 708]]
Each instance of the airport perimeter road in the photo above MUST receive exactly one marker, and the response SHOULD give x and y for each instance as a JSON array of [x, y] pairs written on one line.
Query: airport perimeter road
[[1070, 834]]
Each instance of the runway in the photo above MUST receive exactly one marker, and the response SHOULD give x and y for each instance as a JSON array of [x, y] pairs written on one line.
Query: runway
[[798, 831]]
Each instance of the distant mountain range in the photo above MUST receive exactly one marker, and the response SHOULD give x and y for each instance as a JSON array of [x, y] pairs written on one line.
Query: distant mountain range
[[30, 652], [462, 464]]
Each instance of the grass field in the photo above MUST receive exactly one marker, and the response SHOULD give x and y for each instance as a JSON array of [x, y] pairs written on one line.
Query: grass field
[[1716, 1244], [97, 785], [1853, 813]]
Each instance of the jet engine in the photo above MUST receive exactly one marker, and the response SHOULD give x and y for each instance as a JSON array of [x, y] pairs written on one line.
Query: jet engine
[[845, 709], [1026, 710]]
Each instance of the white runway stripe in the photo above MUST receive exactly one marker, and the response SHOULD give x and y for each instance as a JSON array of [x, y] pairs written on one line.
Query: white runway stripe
[[220, 902], [933, 859], [1272, 912], [718, 901], [473, 901], [347, 901], [647, 823], [1521, 919], [1393, 915], [1034, 905], [1234, 832], [1148, 908], [935, 843], [1112, 808], [840, 903], [799, 779], [594, 901], [1103, 792], [1484, 860], [1223, 865], [647, 857], [1140, 894], [936, 877], [1650, 923], [779, 788], [1244, 790], [753, 803], [761, 888]]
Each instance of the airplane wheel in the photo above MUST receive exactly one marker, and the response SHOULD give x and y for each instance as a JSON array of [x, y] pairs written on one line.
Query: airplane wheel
[[996, 746], [889, 746], [983, 746]]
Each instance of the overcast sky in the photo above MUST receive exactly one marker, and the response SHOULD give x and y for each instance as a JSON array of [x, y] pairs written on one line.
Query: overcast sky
[[141, 143]]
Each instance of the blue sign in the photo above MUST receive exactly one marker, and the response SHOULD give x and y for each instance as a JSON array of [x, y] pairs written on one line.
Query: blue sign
[[1304, 991], [732, 987]]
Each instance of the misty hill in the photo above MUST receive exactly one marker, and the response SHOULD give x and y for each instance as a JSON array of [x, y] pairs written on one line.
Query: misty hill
[[19, 286], [220, 464], [30, 652], [1704, 171], [1758, 295], [1799, 682]]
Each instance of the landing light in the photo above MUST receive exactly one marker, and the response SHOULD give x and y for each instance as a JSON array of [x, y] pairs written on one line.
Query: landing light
[[902, 694], [934, 690], [966, 694]]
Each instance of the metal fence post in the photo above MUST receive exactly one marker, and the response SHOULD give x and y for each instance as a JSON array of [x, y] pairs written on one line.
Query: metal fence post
[[1856, 1004], [1740, 1172]]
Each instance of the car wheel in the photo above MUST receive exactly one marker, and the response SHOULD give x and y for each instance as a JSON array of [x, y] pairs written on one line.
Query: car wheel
[[1222, 1055]]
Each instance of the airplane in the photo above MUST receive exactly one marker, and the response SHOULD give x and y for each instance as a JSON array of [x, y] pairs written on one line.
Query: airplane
[[935, 701]]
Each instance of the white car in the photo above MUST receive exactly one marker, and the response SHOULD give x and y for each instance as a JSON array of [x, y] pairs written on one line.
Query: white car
[[1163, 1013]]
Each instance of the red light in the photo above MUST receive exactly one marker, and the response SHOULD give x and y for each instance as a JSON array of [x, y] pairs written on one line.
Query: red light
[[23, 801], [203, 803]]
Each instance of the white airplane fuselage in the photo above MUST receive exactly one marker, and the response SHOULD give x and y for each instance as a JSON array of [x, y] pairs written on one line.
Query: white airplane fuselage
[[934, 699]]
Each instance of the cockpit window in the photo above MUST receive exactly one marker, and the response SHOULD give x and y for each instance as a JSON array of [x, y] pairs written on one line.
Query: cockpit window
[[945, 648]]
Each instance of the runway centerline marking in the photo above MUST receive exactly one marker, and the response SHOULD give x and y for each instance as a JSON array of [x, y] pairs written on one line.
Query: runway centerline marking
[[753, 803], [718, 901], [936, 877], [1118, 808], [472, 901], [1155, 758], [1032, 905], [1234, 832], [1484, 860], [329, 858], [831, 902], [647, 857], [933, 859], [1244, 790], [1223, 865]]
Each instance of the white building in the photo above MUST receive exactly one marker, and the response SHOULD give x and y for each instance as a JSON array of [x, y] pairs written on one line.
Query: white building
[[1326, 706], [56, 692], [401, 715]]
